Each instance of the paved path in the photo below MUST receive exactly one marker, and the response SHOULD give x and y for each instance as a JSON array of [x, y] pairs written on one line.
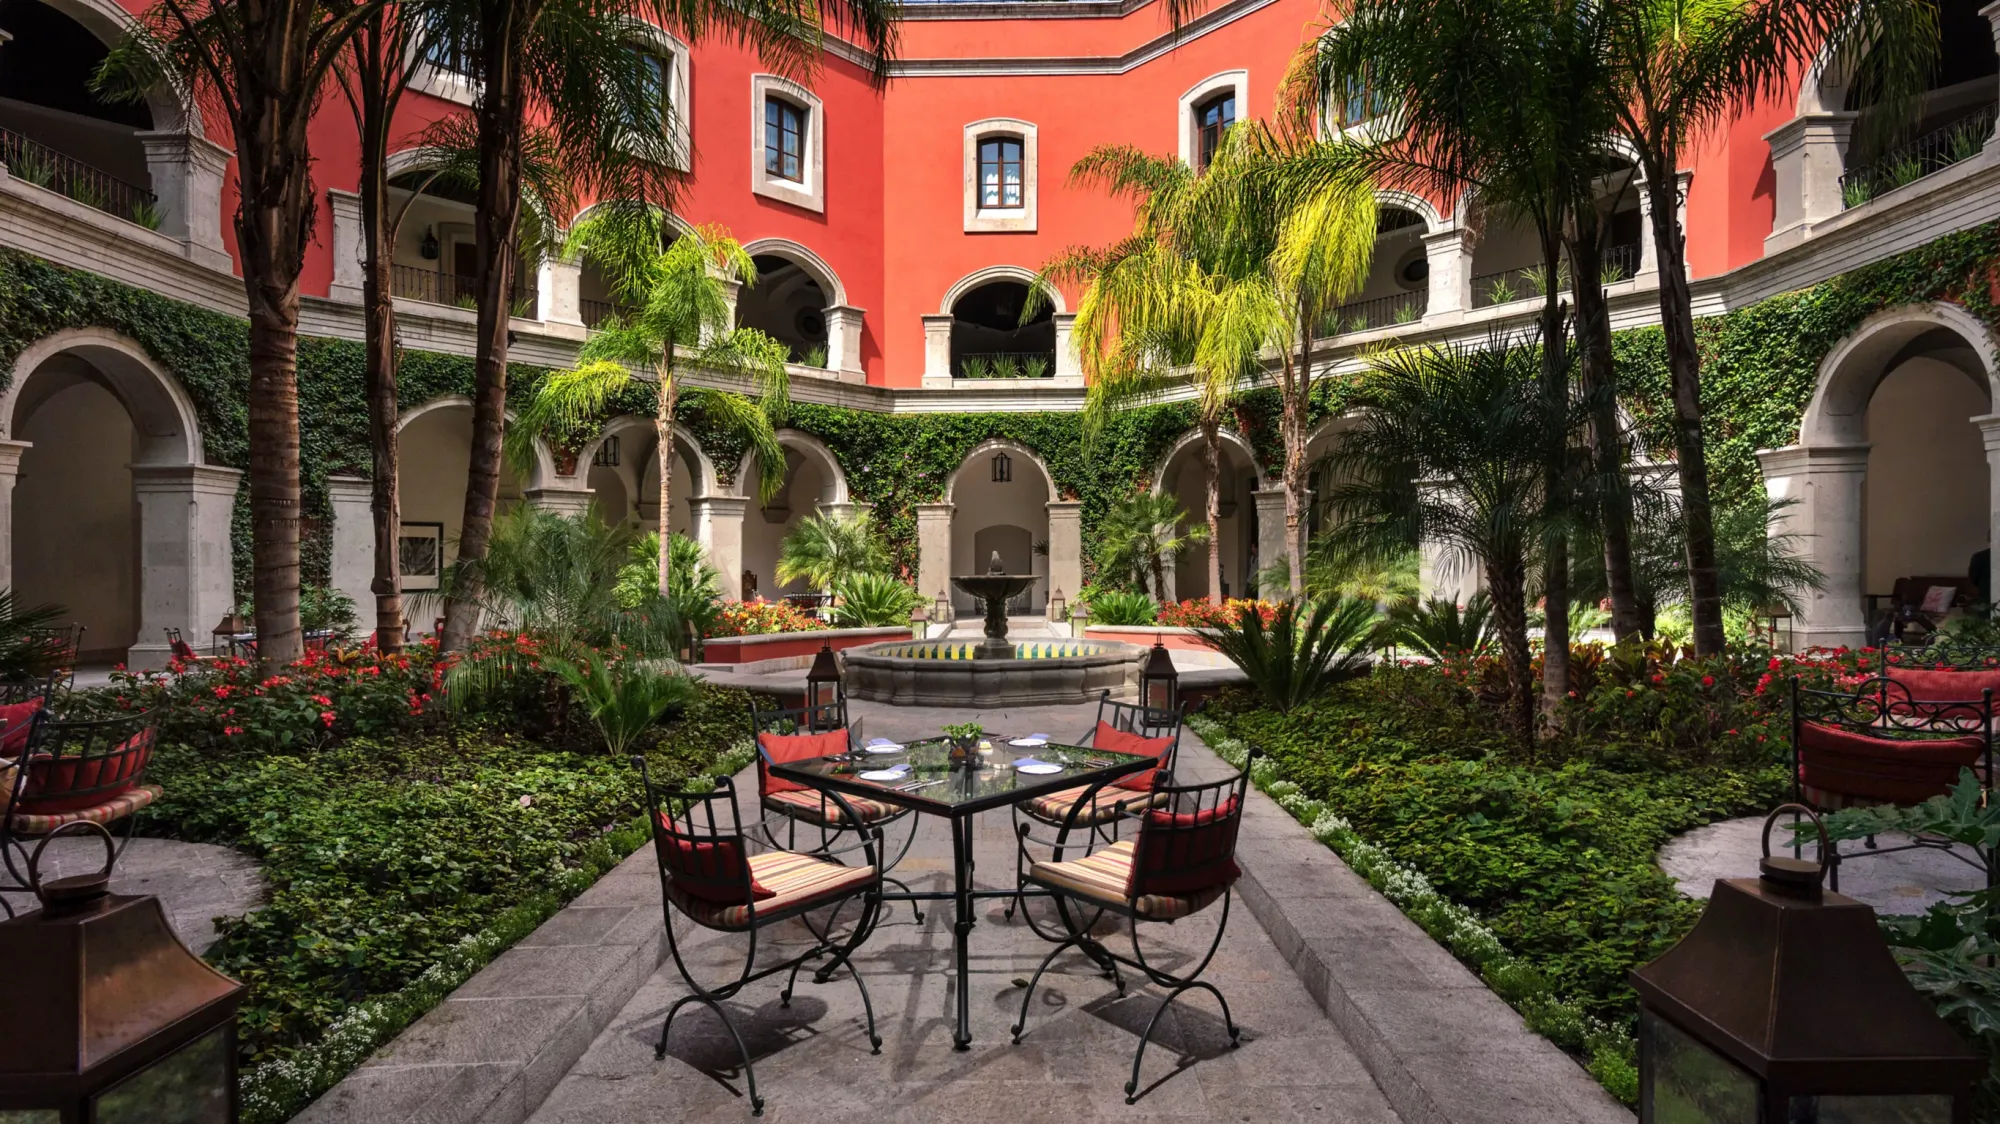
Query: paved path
[[195, 882], [1901, 882]]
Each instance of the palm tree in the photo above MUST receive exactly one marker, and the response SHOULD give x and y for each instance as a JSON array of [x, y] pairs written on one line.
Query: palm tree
[[1140, 533], [1679, 70], [1449, 451], [826, 550], [681, 315], [264, 64]]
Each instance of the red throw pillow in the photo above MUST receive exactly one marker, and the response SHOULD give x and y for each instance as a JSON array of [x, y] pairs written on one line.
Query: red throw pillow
[[1186, 852], [54, 783], [17, 720], [712, 870], [777, 749], [1889, 770], [1946, 686], [1120, 741]]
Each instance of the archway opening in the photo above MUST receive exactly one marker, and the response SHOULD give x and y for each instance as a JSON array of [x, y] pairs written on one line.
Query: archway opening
[[1951, 121], [624, 479], [1186, 479], [807, 486], [789, 305], [1507, 261], [435, 452], [988, 339], [1925, 501], [1398, 288], [1001, 505], [58, 134], [436, 258]]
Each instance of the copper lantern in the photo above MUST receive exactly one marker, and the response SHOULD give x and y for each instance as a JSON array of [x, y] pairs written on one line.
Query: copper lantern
[[1058, 608], [823, 681], [111, 1020], [1159, 683], [1784, 1004]]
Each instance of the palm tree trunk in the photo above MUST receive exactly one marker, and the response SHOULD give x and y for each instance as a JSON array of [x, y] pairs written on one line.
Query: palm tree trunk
[[663, 448], [1211, 463], [1684, 367], [1600, 381], [1555, 558], [379, 320], [1506, 579], [1293, 424], [495, 220]]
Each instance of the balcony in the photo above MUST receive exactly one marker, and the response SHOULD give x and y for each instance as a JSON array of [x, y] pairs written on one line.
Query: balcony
[[1007, 365], [1928, 154], [1377, 312], [1529, 282], [45, 167], [434, 286]]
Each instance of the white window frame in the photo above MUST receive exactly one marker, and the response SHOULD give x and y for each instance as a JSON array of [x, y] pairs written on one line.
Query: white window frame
[[680, 130], [1228, 81], [1002, 220], [810, 194]]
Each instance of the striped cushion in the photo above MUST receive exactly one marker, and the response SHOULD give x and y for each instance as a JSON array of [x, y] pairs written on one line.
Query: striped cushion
[[1103, 878], [796, 880], [810, 806], [116, 808], [1054, 808]]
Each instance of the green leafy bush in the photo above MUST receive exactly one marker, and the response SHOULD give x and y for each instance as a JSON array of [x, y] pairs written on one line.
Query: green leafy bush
[[1439, 627], [1118, 607], [1304, 649], [873, 601]]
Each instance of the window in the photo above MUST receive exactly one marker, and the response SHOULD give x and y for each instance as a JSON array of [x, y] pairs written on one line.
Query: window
[[660, 85], [1000, 172], [1213, 119], [1362, 104], [784, 140]]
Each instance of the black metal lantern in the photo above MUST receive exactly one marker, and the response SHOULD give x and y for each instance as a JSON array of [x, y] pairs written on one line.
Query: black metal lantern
[[607, 453], [1003, 468], [110, 1019], [1159, 683], [1784, 1004], [1057, 606], [823, 681], [429, 247]]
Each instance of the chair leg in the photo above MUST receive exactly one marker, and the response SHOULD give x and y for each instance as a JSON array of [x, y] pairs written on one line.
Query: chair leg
[[1132, 1086], [729, 1024], [1022, 1022], [905, 887]]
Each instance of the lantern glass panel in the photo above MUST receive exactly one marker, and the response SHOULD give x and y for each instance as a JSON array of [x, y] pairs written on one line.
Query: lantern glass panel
[[1160, 694], [188, 1086], [1688, 1083], [1909, 1108]]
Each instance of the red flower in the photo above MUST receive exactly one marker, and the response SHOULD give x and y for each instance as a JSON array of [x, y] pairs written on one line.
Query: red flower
[[1708, 680], [326, 716], [231, 731]]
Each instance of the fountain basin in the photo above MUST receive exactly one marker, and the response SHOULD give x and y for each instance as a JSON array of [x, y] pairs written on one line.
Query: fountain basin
[[957, 673]]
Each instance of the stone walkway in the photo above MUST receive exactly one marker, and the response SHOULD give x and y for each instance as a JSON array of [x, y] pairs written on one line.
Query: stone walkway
[[1902, 882], [195, 882]]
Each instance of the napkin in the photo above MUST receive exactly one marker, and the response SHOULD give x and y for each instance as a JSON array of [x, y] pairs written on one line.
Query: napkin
[[1030, 761], [880, 741]]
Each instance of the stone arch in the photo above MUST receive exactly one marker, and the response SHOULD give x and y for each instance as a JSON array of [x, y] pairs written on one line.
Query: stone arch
[[544, 471], [1837, 413], [1191, 439], [812, 264], [1415, 204], [808, 446], [160, 407], [1179, 473], [1014, 449], [706, 480], [1011, 517], [992, 273], [170, 104]]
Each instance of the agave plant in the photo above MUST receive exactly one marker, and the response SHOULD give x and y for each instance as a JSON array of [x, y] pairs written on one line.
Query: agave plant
[[1438, 627], [1117, 607], [622, 697], [1306, 648], [874, 601]]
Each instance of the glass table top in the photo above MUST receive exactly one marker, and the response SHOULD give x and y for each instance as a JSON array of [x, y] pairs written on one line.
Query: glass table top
[[944, 790]]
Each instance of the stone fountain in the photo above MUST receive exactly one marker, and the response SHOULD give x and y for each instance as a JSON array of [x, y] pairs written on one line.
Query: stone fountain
[[993, 588]]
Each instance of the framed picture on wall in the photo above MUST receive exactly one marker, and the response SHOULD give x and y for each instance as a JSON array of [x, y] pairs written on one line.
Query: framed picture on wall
[[420, 555]]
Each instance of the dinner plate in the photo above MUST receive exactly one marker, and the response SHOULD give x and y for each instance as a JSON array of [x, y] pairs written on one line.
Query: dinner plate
[[1039, 770], [1029, 743], [891, 747], [885, 774]]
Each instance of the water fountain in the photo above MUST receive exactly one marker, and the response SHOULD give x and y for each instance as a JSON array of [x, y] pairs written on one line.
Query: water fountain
[[993, 588]]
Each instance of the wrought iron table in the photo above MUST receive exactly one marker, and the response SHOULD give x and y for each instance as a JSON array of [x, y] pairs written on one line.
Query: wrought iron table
[[964, 793]]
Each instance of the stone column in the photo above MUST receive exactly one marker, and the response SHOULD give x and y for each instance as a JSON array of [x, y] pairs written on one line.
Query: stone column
[[353, 563], [1808, 155], [186, 580], [934, 552], [1069, 369], [843, 343], [349, 245], [1066, 546], [1989, 431], [567, 496], [732, 291], [187, 174], [1270, 534], [718, 527], [561, 284], [1649, 254], [1829, 483], [1449, 259], [937, 350], [10, 471]]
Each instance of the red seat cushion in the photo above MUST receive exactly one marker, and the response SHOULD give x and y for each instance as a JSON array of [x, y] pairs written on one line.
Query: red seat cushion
[[1120, 741], [1186, 852], [777, 749], [1926, 685], [71, 784], [1885, 770], [16, 722], [713, 870]]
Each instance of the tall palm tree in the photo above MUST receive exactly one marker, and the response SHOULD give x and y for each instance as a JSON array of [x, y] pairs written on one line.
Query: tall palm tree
[[1449, 451], [1679, 70], [826, 550], [263, 64], [1141, 533], [680, 317]]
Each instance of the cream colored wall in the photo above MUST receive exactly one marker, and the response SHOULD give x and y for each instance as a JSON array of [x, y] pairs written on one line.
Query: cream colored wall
[[980, 503], [435, 452], [1925, 505], [75, 522], [679, 488], [1391, 250], [805, 489], [1189, 484]]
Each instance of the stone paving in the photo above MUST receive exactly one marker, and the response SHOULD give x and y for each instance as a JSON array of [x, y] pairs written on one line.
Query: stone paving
[[1902, 882], [813, 1061], [195, 882]]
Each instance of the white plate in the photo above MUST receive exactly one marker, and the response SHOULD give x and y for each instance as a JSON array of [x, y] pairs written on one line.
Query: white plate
[[1035, 770], [891, 748], [1029, 743], [885, 774]]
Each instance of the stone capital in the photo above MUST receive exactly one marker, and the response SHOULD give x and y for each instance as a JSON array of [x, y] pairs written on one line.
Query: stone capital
[[202, 479], [719, 507], [10, 458], [1794, 459]]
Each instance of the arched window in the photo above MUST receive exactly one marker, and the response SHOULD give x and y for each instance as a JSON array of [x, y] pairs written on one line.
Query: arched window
[[1213, 119], [788, 305], [1000, 173]]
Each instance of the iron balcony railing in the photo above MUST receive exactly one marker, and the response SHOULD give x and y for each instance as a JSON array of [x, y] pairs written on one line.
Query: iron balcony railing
[[1377, 312], [595, 312], [1933, 152], [43, 166], [1620, 263], [438, 287], [1007, 365]]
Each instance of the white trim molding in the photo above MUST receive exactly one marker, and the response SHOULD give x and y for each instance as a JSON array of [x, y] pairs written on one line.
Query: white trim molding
[[1002, 220], [1236, 81], [811, 194]]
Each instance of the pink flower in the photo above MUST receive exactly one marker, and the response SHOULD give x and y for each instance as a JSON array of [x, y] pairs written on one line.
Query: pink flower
[[326, 716]]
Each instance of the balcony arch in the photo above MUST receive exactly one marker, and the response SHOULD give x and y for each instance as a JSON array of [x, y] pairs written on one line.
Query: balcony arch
[[801, 301], [977, 331]]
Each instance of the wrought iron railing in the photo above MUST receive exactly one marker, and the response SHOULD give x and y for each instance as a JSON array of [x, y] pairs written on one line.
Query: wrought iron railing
[[1620, 263], [1377, 312], [434, 286], [1007, 365], [43, 166], [1508, 285], [595, 312], [1933, 152]]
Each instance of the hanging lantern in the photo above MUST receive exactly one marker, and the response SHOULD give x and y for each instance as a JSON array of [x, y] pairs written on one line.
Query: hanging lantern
[[607, 453], [1159, 683], [823, 681], [1784, 1004], [111, 1020], [1057, 605], [1003, 468], [429, 247]]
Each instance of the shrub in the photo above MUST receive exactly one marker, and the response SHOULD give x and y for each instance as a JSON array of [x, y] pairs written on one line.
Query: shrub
[[874, 600], [1439, 627], [1303, 650], [761, 617], [1117, 607]]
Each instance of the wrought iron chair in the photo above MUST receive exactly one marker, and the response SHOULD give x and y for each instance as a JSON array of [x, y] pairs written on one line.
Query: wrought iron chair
[[709, 875], [1942, 653], [775, 732], [180, 648], [1880, 744], [1181, 860], [1129, 728], [72, 771], [61, 645]]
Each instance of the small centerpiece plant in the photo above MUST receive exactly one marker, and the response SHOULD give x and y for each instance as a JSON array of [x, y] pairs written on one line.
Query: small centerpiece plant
[[964, 739]]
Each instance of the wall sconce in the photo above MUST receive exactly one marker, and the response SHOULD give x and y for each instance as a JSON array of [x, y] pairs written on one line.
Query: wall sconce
[[429, 249], [1003, 468], [607, 453]]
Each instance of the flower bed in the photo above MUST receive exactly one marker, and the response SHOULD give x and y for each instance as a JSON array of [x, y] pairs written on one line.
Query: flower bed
[[1200, 613], [760, 617]]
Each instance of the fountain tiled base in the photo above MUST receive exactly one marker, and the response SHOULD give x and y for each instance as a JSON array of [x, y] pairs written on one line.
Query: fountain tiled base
[[944, 673]]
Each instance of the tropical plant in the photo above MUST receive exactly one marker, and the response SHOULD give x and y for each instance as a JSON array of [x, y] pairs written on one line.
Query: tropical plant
[[816, 356], [827, 549], [1306, 648], [1006, 367], [1757, 563], [322, 608], [680, 314], [1500, 291], [623, 697], [1439, 627], [1140, 534], [147, 213], [32, 167], [1034, 367], [1333, 570], [1113, 606], [975, 367], [873, 600], [689, 571], [25, 648]]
